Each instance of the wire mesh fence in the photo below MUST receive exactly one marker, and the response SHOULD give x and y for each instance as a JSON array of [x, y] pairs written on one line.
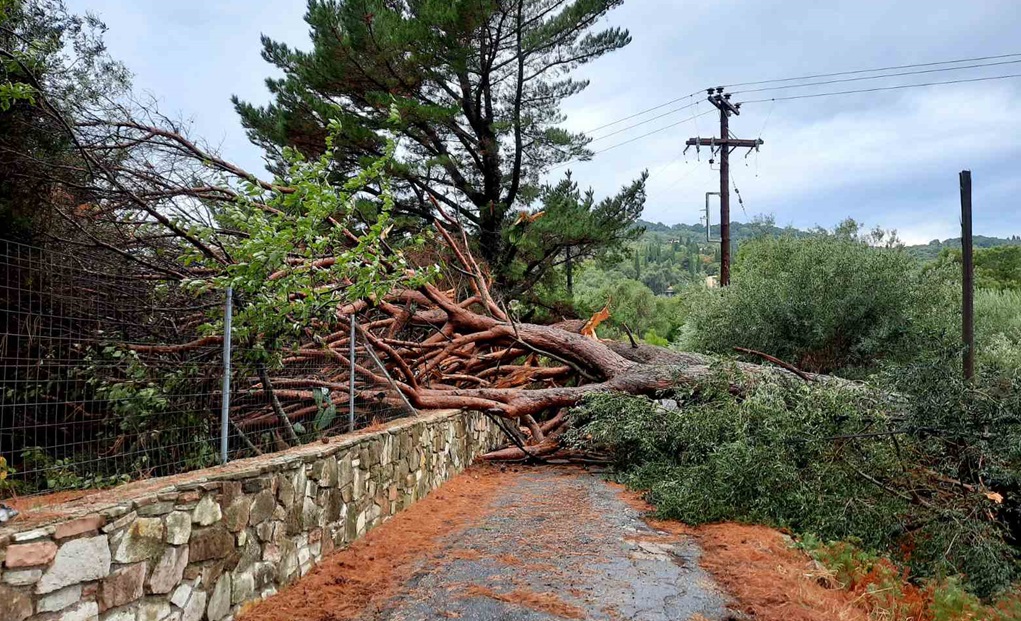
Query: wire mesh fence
[[108, 375]]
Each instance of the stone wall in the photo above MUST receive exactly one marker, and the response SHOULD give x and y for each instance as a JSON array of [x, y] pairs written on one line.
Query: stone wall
[[198, 546]]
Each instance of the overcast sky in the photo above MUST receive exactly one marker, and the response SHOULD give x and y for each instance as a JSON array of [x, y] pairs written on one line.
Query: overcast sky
[[888, 158]]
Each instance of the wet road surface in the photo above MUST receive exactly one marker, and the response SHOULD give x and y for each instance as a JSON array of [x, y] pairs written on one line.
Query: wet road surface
[[560, 544]]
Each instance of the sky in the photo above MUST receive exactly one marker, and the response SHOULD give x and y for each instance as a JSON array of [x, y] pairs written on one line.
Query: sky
[[886, 158]]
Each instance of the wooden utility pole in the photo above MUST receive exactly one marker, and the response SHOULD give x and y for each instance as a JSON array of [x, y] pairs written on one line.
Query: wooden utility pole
[[726, 144], [967, 278]]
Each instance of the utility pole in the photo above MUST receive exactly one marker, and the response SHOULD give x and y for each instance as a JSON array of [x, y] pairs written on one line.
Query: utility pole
[[967, 278], [726, 144]]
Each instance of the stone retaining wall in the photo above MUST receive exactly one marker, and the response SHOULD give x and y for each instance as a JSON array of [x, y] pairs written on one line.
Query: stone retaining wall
[[203, 544]]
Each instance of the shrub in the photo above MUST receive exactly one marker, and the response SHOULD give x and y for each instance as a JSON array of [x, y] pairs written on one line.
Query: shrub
[[882, 587], [998, 329], [824, 303], [633, 304], [837, 461]]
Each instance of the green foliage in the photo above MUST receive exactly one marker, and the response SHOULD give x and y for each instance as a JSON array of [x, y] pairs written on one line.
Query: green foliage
[[759, 459], [936, 249], [837, 462], [327, 410], [12, 92], [567, 228], [883, 588], [67, 473], [293, 264], [998, 330], [632, 304], [43, 46], [478, 85], [825, 303], [995, 268]]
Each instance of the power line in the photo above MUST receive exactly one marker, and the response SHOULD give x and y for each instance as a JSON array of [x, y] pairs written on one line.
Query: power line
[[630, 140], [806, 77], [883, 88], [807, 96], [878, 77], [641, 112], [891, 68], [659, 116]]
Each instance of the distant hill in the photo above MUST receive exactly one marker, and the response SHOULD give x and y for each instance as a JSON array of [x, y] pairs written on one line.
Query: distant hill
[[933, 248], [657, 231]]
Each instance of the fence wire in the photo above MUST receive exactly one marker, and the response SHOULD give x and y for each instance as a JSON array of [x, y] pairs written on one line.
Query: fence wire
[[108, 376]]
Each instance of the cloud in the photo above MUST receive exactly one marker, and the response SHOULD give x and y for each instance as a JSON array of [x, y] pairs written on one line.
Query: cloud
[[888, 158]]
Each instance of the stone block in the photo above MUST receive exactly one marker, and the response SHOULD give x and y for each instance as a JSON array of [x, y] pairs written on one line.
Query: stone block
[[219, 600], [196, 607], [156, 509], [154, 609], [237, 513], [22, 577], [59, 600], [30, 554], [84, 611], [80, 526], [328, 473], [230, 492], [211, 543], [123, 586], [181, 595], [169, 570], [143, 539], [288, 564], [14, 604], [120, 522], [78, 560], [32, 535], [243, 587], [207, 512], [128, 613], [255, 485], [178, 528], [285, 490], [262, 507]]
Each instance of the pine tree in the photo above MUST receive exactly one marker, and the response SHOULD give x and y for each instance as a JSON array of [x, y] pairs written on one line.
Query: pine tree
[[478, 84]]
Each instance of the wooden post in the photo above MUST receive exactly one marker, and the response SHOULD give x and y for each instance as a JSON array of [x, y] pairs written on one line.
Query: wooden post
[[967, 278], [724, 199], [726, 144]]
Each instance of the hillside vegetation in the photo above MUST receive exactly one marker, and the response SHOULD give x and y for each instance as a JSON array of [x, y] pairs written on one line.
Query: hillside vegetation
[[916, 466]]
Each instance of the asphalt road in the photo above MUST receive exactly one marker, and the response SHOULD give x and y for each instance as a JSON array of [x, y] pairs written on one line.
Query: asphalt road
[[560, 544]]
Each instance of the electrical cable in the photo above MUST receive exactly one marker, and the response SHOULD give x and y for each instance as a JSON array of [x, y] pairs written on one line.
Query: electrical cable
[[891, 68], [641, 112], [659, 116], [974, 59], [877, 77], [630, 140], [883, 88]]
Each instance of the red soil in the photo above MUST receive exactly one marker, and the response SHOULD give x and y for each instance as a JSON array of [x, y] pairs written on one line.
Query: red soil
[[756, 565]]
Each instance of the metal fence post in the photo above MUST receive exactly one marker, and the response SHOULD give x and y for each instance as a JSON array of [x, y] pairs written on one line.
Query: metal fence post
[[351, 382], [225, 401]]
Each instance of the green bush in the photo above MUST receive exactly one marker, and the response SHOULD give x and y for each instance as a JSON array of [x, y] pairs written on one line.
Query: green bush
[[998, 329], [825, 303], [906, 477], [632, 304]]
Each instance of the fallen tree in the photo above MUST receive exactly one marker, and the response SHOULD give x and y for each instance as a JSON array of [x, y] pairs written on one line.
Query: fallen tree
[[461, 348]]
